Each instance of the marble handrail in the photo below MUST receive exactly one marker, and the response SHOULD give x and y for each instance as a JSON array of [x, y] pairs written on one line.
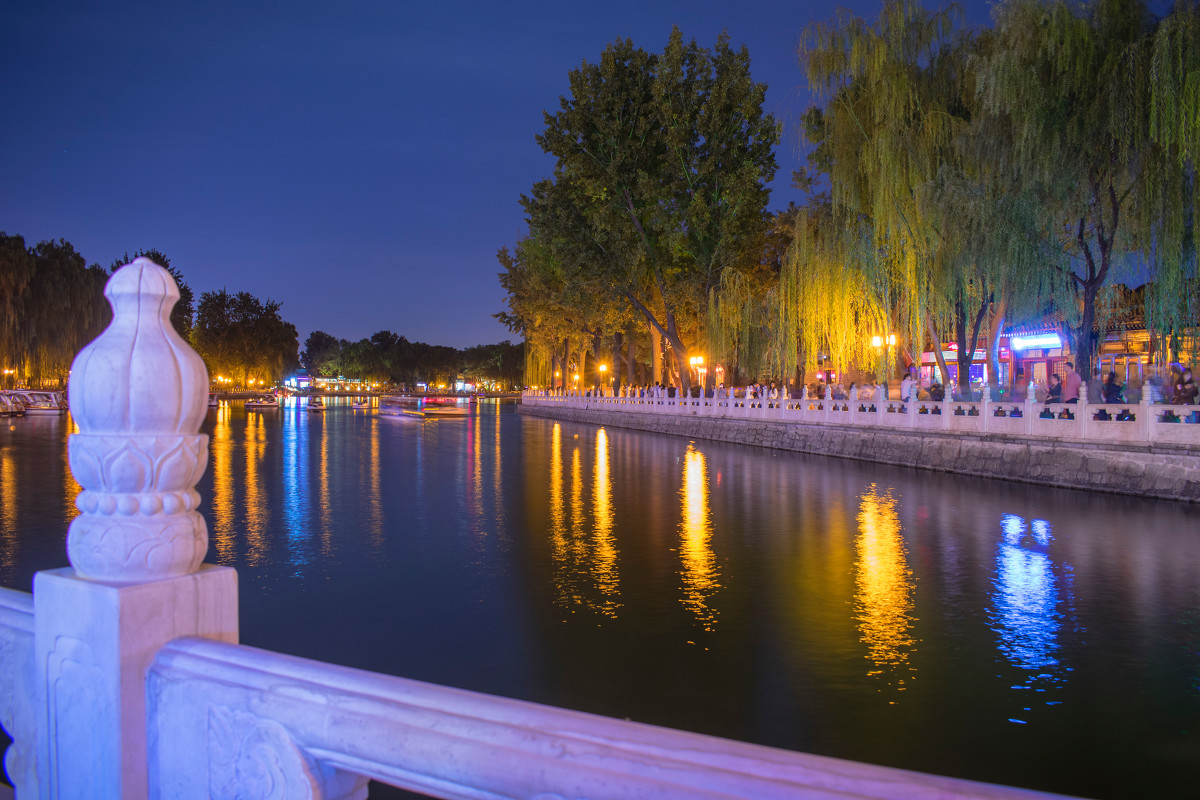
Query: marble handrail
[[1143, 423], [226, 717], [18, 682]]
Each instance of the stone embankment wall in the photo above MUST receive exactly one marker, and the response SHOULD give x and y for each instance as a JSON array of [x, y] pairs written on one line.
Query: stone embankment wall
[[1166, 471]]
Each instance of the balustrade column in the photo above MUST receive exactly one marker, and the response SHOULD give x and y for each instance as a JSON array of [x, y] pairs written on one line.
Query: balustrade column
[[138, 395], [1146, 418]]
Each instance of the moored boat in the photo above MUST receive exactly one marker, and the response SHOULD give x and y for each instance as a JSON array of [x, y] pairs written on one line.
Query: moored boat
[[213, 402], [39, 402], [262, 403], [11, 405], [316, 405]]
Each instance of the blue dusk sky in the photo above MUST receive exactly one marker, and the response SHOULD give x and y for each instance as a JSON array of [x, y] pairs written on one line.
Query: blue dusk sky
[[360, 162]]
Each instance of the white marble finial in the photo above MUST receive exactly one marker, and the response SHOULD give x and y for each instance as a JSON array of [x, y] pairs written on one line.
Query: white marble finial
[[138, 394]]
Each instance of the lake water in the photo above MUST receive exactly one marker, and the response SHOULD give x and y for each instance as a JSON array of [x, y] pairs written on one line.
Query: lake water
[[1000, 632]]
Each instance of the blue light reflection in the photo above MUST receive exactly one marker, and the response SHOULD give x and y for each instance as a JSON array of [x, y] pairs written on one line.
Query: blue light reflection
[[1025, 604]]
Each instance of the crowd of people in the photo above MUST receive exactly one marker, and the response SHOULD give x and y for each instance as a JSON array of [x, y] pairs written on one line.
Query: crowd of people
[[1174, 385]]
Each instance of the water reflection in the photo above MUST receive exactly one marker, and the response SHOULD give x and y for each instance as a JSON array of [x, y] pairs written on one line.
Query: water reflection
[[324, 500], [585, 570], [884, 588], [71, 487], [257, 515], [8, 509], [604, 564], [700, 576], [1024, 601], [223, 531], [296, 497], [374, 499]]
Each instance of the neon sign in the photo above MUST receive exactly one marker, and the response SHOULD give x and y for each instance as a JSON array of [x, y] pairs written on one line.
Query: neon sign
[[1044, 340]]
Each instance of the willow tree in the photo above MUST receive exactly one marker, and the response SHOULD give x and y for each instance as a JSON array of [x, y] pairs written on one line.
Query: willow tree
[[64, 310], [17, 266], [184, 310], [1072, 83], [560, 284], [742, 325], [670, 152], [829, 275], [896, 109], [1170, 202]]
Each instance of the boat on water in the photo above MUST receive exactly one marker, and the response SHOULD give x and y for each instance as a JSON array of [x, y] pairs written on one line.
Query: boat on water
[[268, 402], [361, 403], [404, 407], [11, 405], [316, 405], [213, 402], [39, 402]]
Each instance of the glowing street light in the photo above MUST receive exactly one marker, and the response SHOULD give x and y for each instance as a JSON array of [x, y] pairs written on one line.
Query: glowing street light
[[697, 363]]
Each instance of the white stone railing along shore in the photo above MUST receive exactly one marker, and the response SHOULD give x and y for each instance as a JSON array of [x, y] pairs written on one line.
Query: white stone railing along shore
[[121, 675], [1129, 423]]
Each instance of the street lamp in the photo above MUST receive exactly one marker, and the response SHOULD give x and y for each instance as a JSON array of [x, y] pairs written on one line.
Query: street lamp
[[697, 363], [603, 376]]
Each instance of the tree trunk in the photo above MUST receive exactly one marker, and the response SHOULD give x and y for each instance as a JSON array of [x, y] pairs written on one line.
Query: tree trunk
[[1085, 337], [680, 352], [566, 363], [994, 331], [937, 350], [630, 352], [656, 355]]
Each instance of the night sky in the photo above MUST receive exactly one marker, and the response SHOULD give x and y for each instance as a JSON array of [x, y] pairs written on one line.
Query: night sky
[[360, 162]]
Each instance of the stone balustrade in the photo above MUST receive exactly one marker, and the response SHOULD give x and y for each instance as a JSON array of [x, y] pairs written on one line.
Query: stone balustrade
[[214, 704], [121, 676], [1080, 422]]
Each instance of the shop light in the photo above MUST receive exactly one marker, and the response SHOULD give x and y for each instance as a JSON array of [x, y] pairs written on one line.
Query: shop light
[[1044, 340]]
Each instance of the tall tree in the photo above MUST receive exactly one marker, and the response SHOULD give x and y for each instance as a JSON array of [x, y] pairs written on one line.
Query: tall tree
[[242, 335], [667, 157], [17, 267], [1071, 80], [184, 311], [321, 355], [65, 309]]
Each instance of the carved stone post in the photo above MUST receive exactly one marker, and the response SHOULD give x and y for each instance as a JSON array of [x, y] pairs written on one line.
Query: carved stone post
[[138, 395]]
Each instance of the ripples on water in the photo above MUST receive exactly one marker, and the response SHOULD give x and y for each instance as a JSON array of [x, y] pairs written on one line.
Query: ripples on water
[[994, 631]]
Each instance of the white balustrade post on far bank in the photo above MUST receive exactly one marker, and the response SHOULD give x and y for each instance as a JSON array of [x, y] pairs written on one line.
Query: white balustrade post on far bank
[[138, 394]]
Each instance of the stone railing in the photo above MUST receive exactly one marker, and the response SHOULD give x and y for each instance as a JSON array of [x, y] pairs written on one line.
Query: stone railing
[[1120, 422], [121, 676]]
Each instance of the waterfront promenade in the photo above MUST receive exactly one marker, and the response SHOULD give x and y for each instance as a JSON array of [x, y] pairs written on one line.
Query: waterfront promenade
[[122, 675], [1136, 449]]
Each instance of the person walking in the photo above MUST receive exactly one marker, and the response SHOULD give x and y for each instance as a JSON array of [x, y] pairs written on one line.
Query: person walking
[[1112, 389], [1055, 392], [907, 392], [1020, 387], [1185, 391], [1069, 386], [1095, 388]]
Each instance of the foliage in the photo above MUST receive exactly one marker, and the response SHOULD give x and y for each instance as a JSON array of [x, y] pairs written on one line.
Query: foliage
[[1071, 82], [184, 310], [663, 160], [244, 337], [388, 358], [52, 305]]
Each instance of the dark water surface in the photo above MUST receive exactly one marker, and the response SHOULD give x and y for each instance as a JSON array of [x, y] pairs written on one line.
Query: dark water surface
[[1001, 632]]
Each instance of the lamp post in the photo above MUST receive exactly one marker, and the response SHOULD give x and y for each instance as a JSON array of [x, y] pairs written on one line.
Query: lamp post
[[603, 378], [697, 363]]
